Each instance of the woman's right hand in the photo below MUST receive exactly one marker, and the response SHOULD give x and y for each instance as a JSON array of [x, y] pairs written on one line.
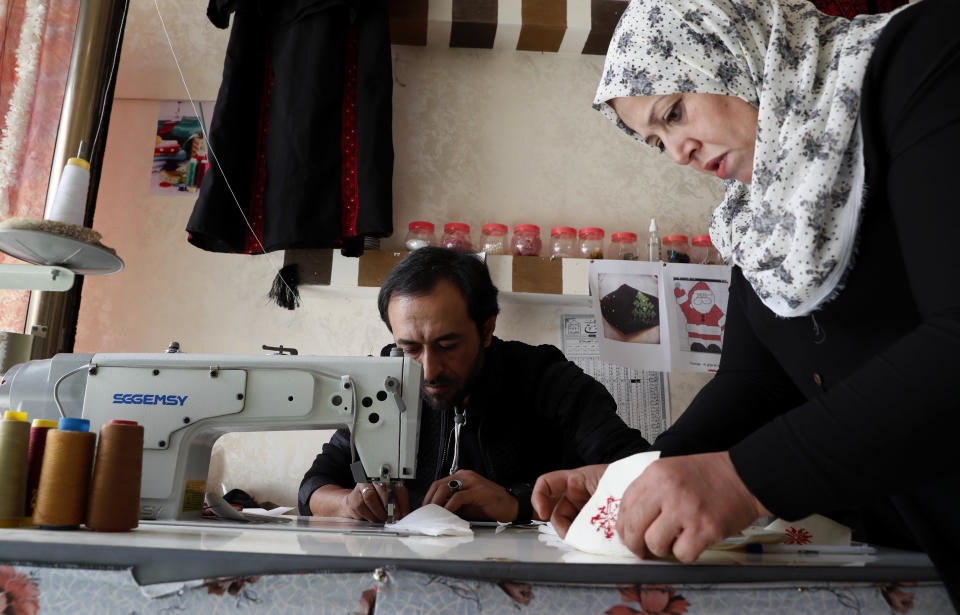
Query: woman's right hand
[[559, 496]]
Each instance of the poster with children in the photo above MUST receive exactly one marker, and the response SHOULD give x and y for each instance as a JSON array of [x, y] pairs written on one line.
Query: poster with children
[[660, 316], [180, 149]]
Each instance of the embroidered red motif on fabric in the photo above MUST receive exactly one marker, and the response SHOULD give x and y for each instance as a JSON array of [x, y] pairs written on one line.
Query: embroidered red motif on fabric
[[606, 517], [798, 536], [251, 245], [349, 141]]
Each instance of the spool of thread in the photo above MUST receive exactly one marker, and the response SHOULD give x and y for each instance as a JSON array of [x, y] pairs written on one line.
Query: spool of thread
[[15, 348], [38, 441], [65, 475], [114, 503], [14, 440], [70, 203]]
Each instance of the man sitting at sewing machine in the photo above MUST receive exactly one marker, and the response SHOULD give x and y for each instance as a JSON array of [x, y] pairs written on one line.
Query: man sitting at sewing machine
[[495, 414]]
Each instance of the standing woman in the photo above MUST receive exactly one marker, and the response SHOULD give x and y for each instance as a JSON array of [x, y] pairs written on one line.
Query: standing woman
[[837, 391]]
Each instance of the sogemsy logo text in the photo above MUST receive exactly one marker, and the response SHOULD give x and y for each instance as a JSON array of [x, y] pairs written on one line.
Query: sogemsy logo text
[[145, 399]]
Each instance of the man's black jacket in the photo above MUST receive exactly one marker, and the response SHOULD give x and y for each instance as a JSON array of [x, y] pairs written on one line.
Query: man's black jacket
[[531, 411]]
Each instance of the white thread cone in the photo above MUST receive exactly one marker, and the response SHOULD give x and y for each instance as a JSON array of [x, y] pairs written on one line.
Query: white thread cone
[[70, 204]]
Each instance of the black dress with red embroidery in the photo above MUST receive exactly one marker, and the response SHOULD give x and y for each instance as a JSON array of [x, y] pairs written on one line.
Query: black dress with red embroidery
[[301, 135]]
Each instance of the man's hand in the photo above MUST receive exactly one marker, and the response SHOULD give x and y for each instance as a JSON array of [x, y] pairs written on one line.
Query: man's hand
[[682, 505], [559, 496], [479, 499], [365, 501]]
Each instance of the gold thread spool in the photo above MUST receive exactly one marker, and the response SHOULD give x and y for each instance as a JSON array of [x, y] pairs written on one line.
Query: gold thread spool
[[114, 503], [14, 442], [38, 441], [65, 475]]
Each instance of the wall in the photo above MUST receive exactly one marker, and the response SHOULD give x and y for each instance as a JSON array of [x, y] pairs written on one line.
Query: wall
[[479, 136]]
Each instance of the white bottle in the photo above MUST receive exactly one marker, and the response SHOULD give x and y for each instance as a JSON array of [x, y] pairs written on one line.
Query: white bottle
[[653, 243]]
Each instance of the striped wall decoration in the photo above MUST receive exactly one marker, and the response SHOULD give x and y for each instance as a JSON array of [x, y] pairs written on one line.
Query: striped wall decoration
[[555, 26]]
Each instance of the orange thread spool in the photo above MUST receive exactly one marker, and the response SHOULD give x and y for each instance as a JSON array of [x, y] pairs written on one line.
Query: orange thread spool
[[14, 442], [65, 475], [114, 503]]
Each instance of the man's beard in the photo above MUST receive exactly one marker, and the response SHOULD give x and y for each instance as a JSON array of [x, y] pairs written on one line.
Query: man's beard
[[459, 394]]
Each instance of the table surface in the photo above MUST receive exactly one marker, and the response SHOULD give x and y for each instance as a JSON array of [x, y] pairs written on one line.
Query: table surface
[[164, 552]]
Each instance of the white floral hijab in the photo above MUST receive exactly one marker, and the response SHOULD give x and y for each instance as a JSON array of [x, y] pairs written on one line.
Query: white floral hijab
[[792, 230]]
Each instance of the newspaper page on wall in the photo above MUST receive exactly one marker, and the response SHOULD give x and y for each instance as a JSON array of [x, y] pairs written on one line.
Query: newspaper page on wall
[[642, 396], [660, 316]]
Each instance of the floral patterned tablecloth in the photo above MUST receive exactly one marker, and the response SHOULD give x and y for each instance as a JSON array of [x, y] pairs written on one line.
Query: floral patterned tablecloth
[[29, 590]]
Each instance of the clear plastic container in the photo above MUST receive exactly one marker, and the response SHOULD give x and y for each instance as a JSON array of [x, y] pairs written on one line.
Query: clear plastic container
[[702, 251], [563, 242], [623, 246], [591, 242], [494, 237], [676, 249], [420, 234], [526, 240], [456, 236]]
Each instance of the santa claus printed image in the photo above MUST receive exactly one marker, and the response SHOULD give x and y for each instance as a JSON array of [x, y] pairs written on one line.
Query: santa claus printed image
[[704, 319]]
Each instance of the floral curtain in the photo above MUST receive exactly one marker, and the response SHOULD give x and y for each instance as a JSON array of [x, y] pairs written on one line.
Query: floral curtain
[[36, 38]]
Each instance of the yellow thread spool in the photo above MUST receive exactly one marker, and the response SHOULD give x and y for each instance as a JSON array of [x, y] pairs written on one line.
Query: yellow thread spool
[[14, 442], [114, 504], [65, 475]]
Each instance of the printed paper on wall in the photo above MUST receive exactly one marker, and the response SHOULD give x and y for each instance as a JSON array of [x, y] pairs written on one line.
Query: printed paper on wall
[[660, 316]]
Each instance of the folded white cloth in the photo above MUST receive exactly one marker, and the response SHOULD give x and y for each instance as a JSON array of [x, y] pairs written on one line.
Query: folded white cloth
[[595, 528], [432, 520]]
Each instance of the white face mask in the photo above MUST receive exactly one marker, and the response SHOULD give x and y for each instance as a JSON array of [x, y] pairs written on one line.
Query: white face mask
[[792, 230]]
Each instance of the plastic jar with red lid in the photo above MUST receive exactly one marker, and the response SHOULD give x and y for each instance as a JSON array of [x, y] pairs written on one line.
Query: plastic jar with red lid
[[676, 249], [591, 242], [623, 246], [456, 236], [703, 252], [494, 238], [526, 240], [420, 234], [563, 242]]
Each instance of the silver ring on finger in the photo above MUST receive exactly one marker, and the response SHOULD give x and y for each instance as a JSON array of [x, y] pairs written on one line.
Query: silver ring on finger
[[365, 490], [455, 485]]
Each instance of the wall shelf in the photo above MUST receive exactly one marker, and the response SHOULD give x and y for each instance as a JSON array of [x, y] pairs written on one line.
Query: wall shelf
[[521, 279]]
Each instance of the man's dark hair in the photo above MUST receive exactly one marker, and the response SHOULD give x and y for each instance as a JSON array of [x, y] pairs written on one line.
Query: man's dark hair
[[418, 274]]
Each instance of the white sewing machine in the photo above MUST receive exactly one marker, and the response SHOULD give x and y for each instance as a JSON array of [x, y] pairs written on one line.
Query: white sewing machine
[[186, 401]]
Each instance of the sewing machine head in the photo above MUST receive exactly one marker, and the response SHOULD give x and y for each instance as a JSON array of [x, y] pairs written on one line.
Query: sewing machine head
[[185, 402]]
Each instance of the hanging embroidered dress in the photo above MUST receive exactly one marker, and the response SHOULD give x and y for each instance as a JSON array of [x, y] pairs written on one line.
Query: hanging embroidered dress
[[301, 137]]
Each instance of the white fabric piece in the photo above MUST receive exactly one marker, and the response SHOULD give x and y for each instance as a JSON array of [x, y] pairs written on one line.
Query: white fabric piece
[[594, 529], [813, 530], [432, 520], [792, 230]]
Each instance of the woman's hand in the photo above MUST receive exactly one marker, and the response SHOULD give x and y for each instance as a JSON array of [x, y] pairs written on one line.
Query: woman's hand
[[559, 496], [682, 505]]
